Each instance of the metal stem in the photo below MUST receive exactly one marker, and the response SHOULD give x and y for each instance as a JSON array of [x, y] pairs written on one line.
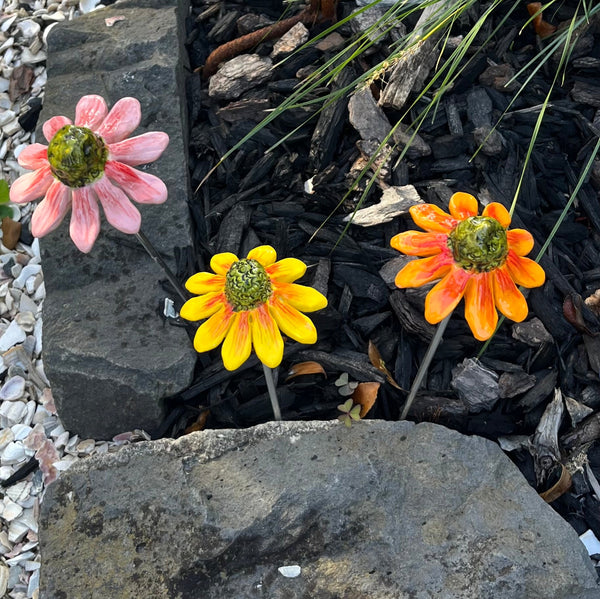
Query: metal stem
[[425, 365], [272, 392], [153, 253]]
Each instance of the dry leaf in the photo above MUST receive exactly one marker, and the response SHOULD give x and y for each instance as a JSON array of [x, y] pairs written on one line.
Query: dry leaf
[[11, 231], [542, 28], [561, 487], [20, 82], [198, 424], [305, 368], [376, 360], [365, 396]]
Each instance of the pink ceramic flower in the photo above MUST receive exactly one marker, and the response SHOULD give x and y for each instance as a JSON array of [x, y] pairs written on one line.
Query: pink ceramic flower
[[88, 161]]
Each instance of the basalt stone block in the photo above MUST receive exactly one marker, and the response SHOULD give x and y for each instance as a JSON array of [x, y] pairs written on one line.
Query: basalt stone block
[[108, 354], [385, 509]]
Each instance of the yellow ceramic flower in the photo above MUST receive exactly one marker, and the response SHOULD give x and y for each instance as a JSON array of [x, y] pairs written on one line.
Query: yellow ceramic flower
[[475, 257], [248, 302]]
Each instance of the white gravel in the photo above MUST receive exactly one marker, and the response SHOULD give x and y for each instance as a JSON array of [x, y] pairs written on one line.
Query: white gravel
[[29, 425]]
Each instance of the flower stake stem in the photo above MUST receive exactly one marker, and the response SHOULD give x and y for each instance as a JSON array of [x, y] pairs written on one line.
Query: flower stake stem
[[424, 367], [272, 391], [153, 253]]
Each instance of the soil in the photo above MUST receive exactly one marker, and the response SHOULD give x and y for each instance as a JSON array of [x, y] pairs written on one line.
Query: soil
[[260, 195]]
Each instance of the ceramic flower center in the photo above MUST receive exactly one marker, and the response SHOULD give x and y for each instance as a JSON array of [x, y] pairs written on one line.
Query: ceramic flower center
[[479, 243], [247, 285], [77, 156]]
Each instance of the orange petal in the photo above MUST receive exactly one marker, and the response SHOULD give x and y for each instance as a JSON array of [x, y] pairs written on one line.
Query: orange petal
[[524, 271], [213, 331], [266, 337], [205, 282], [264, 254], [463, 205], [203, 306], [519, 241], [221, 263], [431, 218], [292, 322], [499, 212], [286, 270], [419, 272], [509, 300], [479, 306], [305, 299], [417, 243], [238, 343], [444, 297]]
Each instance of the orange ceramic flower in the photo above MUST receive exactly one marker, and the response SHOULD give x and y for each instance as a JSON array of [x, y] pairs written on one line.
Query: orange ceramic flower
[[475, 257], [247, 302]]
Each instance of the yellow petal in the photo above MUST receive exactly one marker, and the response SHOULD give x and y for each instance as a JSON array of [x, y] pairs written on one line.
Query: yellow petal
[[264, 254], [213, 331], [497, 211], [305, 299], [463, 205], [221, 263], [292, 322], [238, 343], [266, 337], [205, 282], [286, 270], [203, 306]]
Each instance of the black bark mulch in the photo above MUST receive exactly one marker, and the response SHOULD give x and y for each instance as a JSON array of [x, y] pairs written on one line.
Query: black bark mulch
[[258, 197]]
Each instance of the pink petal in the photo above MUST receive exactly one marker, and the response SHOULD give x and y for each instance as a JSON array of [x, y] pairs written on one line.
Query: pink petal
[[33, 157], [85, 219], [139, 150], [51, 126], [119, 211], [50, 212], [139, 186], [90, 111], [31, 186], [121, 121]]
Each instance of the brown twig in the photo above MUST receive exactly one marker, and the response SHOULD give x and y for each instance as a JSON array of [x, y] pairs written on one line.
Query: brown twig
[[317, 11]]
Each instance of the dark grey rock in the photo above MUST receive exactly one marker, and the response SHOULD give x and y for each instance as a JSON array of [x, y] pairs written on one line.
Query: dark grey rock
[[532, 332], [238, 75], [377, 511], [476, 385], [491, 140], [479, 107], [109, 356], [417, 146], [367, 117]]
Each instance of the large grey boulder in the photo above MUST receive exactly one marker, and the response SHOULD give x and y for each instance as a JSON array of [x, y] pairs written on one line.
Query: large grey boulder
[[379, 511], [108, 354]]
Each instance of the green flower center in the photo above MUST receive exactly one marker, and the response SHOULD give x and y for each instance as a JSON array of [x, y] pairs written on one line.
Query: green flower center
[[77, 156], [479, 243], [247, 285]]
